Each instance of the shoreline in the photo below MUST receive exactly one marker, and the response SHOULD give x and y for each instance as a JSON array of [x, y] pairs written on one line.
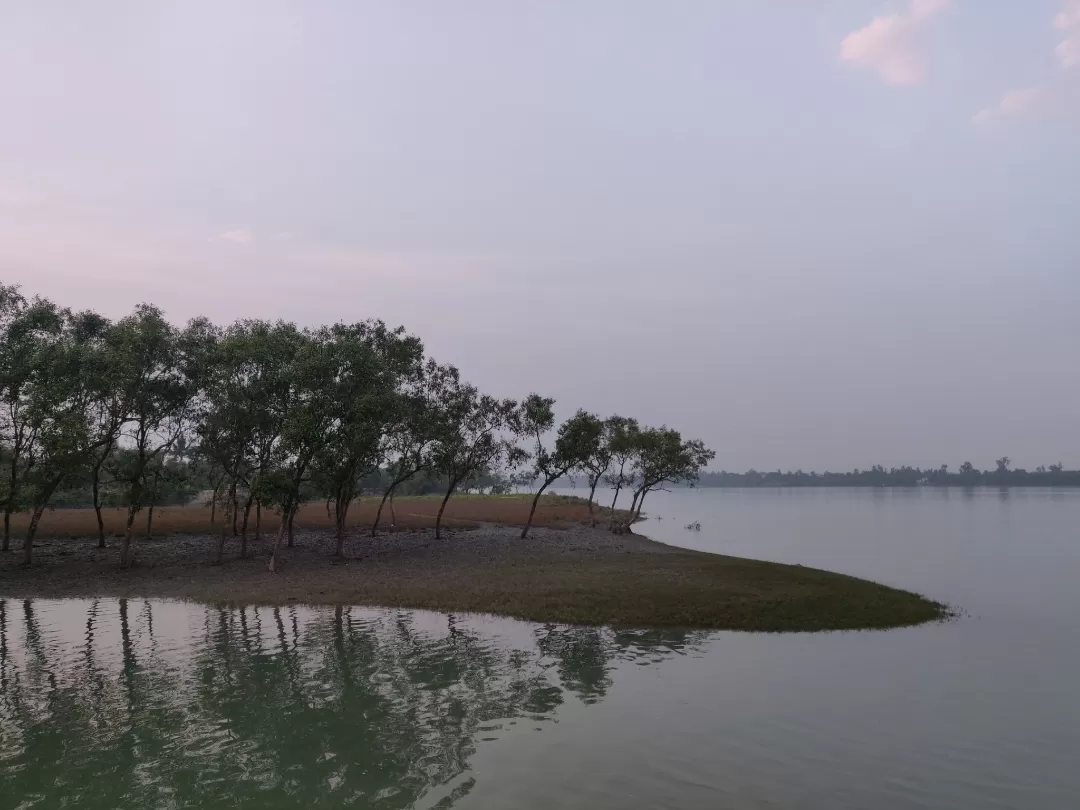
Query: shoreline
[[568, 575]]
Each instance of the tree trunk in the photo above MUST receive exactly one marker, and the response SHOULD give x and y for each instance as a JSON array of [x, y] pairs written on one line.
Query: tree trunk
[[150, 522], [97, 506], [292, 515], [9, 505], [342, 510], [624, 527], [224, 533], [378, 512], [393, 514], [611, 523], [125, 545], [532, 511], [438, 519], [258, 521], [592, 494], [244, 526], [31, 531], [276, 548], [214, 500], [235, 512], [634, 517]]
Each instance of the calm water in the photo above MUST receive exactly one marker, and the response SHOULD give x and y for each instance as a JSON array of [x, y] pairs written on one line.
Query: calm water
[[149, 704]]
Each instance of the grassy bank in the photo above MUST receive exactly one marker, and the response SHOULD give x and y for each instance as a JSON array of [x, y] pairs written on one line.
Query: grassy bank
[[565, 572]]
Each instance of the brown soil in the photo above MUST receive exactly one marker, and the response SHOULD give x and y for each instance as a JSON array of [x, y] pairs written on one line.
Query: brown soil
[[464, 511]]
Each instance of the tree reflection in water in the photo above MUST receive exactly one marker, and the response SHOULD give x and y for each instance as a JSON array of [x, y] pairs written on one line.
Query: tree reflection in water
[[110, 704]]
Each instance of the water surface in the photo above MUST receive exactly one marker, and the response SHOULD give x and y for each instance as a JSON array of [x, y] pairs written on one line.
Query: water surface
[[147, 704]]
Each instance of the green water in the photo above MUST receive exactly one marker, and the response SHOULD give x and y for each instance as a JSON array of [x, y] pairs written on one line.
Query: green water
[[139, 705], [144, 704]]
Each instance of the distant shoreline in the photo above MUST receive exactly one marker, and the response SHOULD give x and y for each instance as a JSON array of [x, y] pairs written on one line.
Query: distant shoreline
[[883, 486]]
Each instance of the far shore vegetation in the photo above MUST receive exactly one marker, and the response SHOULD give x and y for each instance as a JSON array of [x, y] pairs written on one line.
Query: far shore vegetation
[[266, 462], [966, 475]]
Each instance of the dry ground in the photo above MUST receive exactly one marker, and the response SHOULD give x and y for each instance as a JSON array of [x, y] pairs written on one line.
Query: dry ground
[[462, 511]]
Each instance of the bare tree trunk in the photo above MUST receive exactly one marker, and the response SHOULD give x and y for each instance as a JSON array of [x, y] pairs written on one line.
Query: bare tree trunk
[[214, 500], [276, 548], [224, 533], [378, 512], [532, 511], [614, 518], [244, 526], [235, 511], [150, 522], [442, 507], [341, 511], [31, 531], [393, 514], [592, 494], [97, 506], [125, 545], [9, 504], [623, 527], [634, 516], [258, 521], [292, 515]]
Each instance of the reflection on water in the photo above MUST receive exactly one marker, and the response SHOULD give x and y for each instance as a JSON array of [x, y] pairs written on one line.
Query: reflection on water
[[107, 704], [164, 705]]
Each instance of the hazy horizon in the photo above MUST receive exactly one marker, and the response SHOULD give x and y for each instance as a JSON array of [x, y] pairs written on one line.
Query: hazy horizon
[[824, 237]]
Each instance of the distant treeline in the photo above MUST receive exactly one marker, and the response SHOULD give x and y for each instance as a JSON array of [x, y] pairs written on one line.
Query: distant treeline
[[877, 476]]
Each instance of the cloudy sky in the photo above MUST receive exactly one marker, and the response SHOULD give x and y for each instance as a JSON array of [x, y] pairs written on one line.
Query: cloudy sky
[[814, 233]]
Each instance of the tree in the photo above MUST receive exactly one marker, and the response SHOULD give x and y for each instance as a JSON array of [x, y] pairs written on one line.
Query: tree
[[249, 388], [599, 463], [369, 364], [58, 397], [26, 329], [471, 437], [160, 385], [1003, 464], [309, 413], [622, 442], [413, 431], [110, 404], [578, 440], [1056, 468], [663, 457], [967, 469]]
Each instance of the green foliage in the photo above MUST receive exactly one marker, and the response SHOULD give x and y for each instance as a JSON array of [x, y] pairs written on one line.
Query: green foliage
[[139, 412]]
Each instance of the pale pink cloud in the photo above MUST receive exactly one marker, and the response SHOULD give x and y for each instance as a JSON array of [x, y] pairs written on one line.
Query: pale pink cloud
[[890, 44], [1068, 21], [1035, 100], [1016, 103], [241, 236]]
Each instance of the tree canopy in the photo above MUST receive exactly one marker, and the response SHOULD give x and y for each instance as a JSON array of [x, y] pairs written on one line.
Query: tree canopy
[[139, 412]]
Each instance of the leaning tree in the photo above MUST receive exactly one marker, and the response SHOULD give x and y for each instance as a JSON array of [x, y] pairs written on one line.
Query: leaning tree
[[476, 433], [578, 440]]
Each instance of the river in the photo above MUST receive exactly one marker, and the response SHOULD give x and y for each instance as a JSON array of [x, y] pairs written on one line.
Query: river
[[152, 704]]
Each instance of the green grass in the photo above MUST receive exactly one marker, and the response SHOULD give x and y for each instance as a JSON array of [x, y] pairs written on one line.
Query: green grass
[[647, 586]]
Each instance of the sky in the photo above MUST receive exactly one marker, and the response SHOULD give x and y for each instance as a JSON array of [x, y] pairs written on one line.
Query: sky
[[813, 233]]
